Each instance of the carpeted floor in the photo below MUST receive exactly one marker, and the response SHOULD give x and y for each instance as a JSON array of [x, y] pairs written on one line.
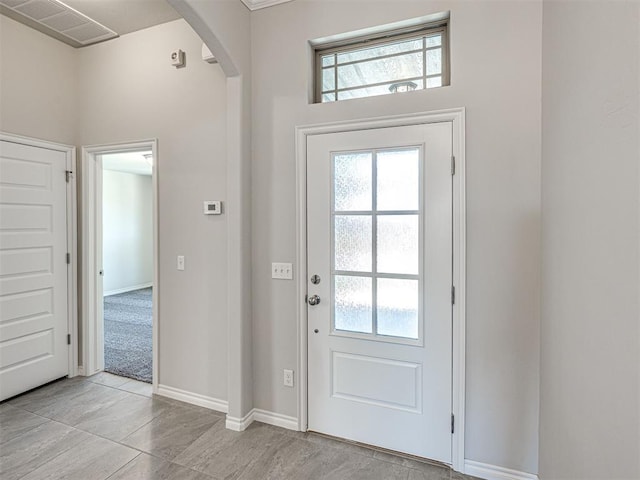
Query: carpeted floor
[[127, 334]]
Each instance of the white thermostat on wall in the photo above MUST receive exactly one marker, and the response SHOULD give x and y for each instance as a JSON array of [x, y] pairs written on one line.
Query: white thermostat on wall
[[177, 58], [213, 207]]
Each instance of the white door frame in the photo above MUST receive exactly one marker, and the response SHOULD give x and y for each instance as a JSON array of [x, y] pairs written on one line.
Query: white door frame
[[92, 235], [457, 117], [72, 235]]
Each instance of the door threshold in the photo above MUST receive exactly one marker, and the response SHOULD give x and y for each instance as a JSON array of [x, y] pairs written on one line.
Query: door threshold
[[374, 448]]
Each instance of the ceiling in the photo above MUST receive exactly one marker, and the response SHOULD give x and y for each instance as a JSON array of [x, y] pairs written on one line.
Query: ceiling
[[138, 163], [84, 22], [126, 16]]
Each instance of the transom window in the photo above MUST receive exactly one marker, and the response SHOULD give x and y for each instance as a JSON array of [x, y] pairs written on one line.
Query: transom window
[[396, 63]]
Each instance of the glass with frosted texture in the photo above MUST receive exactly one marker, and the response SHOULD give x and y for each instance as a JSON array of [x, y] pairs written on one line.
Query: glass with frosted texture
[[352, 247], [353, 304], [398, 180], [434, 41], [380, 70], [352, 177], [398, 244], [434, 61], [328, 60], [397, 308], [379, 51], [328, 79]]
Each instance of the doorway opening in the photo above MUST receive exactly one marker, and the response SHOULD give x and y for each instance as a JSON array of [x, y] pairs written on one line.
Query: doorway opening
[[127, 263], [120, 294]]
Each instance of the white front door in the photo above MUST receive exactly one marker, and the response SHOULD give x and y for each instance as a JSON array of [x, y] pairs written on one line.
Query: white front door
[[33, 267], [379, 216]]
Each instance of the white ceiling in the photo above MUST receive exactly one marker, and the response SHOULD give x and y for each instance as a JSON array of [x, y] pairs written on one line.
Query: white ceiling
[[126, 16], [129, 162], [113, 17]]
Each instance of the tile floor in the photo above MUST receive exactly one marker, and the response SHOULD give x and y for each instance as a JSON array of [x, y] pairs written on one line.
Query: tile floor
[[109, 427]]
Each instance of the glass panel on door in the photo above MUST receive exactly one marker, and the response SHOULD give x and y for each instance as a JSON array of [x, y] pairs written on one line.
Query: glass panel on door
[[377, 243]]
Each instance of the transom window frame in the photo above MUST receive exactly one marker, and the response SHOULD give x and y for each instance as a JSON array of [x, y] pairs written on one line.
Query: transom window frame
[[374, 274], [384, 38]]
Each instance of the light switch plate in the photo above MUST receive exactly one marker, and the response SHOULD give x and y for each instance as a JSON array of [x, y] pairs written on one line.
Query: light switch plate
[[282, 271]]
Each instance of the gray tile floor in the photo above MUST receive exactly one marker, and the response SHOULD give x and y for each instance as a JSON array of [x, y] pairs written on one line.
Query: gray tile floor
[[109, 427]]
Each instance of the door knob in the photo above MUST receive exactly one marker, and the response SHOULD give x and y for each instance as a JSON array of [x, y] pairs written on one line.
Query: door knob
[[314, 300]]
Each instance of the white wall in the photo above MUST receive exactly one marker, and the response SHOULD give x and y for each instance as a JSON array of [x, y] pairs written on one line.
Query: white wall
[[127, 231], [128, 91], [496, 69], [590, 389], [38, 82]]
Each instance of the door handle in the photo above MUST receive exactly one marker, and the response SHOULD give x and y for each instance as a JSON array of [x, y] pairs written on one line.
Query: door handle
[[314, 300]]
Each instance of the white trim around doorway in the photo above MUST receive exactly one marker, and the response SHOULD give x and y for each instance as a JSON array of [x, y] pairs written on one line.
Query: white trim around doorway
[[457, 117], [91, 235]]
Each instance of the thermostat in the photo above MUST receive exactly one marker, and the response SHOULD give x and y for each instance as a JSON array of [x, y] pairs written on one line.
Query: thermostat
[[213, 207]]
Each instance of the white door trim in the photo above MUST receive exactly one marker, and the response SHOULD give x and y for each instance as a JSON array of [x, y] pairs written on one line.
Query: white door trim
[[91, 235], [72, 235], [457, 117]]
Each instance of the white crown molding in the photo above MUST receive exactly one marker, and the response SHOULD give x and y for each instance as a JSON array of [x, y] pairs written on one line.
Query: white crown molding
[[258, 4]]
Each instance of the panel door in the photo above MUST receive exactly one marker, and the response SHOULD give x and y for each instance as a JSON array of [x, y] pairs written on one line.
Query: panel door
[[380, 277], [33, 267]]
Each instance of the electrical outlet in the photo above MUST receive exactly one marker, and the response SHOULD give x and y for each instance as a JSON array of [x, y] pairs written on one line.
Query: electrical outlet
[[180, 265], [288, 378], [282, 271]]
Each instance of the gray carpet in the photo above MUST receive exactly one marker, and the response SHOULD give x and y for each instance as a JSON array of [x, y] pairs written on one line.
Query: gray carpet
[[127, 334]]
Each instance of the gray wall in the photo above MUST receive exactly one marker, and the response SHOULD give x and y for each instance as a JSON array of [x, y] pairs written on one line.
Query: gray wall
[[590, 389], [127, 231], [129, 91], [496, 69], [38, 82]]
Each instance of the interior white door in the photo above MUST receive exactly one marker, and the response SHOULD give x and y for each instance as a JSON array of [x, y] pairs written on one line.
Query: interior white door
[[379, 216], [33, 267]]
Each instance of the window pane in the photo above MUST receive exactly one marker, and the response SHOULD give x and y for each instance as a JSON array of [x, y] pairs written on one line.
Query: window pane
[[434, 61], [379, 51], [328, 60], [353, 250], [397, 307], [398, 244], [398, 180], [352, 305], [434, 41], [381, 70], [328, 97], [352, 182], [328, 79], [434, 82]]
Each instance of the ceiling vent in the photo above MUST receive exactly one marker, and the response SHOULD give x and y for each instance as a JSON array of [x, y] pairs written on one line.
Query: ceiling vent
[[57, 20]]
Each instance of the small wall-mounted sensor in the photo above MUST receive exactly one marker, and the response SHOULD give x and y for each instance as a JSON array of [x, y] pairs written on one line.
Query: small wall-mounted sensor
[[213, 207], [177, 58]]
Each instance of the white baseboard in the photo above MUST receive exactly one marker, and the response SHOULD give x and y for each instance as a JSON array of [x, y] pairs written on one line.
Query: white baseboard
[[193, 398], [239, 424], [275, 419], [127, 289], [493, 472], [257, 415]]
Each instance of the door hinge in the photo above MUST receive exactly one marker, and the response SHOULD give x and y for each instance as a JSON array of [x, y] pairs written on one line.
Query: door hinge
[[453, 295], [453, 165], [453, 423], [68, 259], [68, 174], [68, 339]]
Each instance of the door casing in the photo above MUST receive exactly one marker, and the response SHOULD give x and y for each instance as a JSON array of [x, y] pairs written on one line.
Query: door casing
[[72, 235], [457, 117], [92, 248]]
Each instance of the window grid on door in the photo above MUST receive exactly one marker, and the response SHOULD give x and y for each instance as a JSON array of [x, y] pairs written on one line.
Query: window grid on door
[[363, 213]]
